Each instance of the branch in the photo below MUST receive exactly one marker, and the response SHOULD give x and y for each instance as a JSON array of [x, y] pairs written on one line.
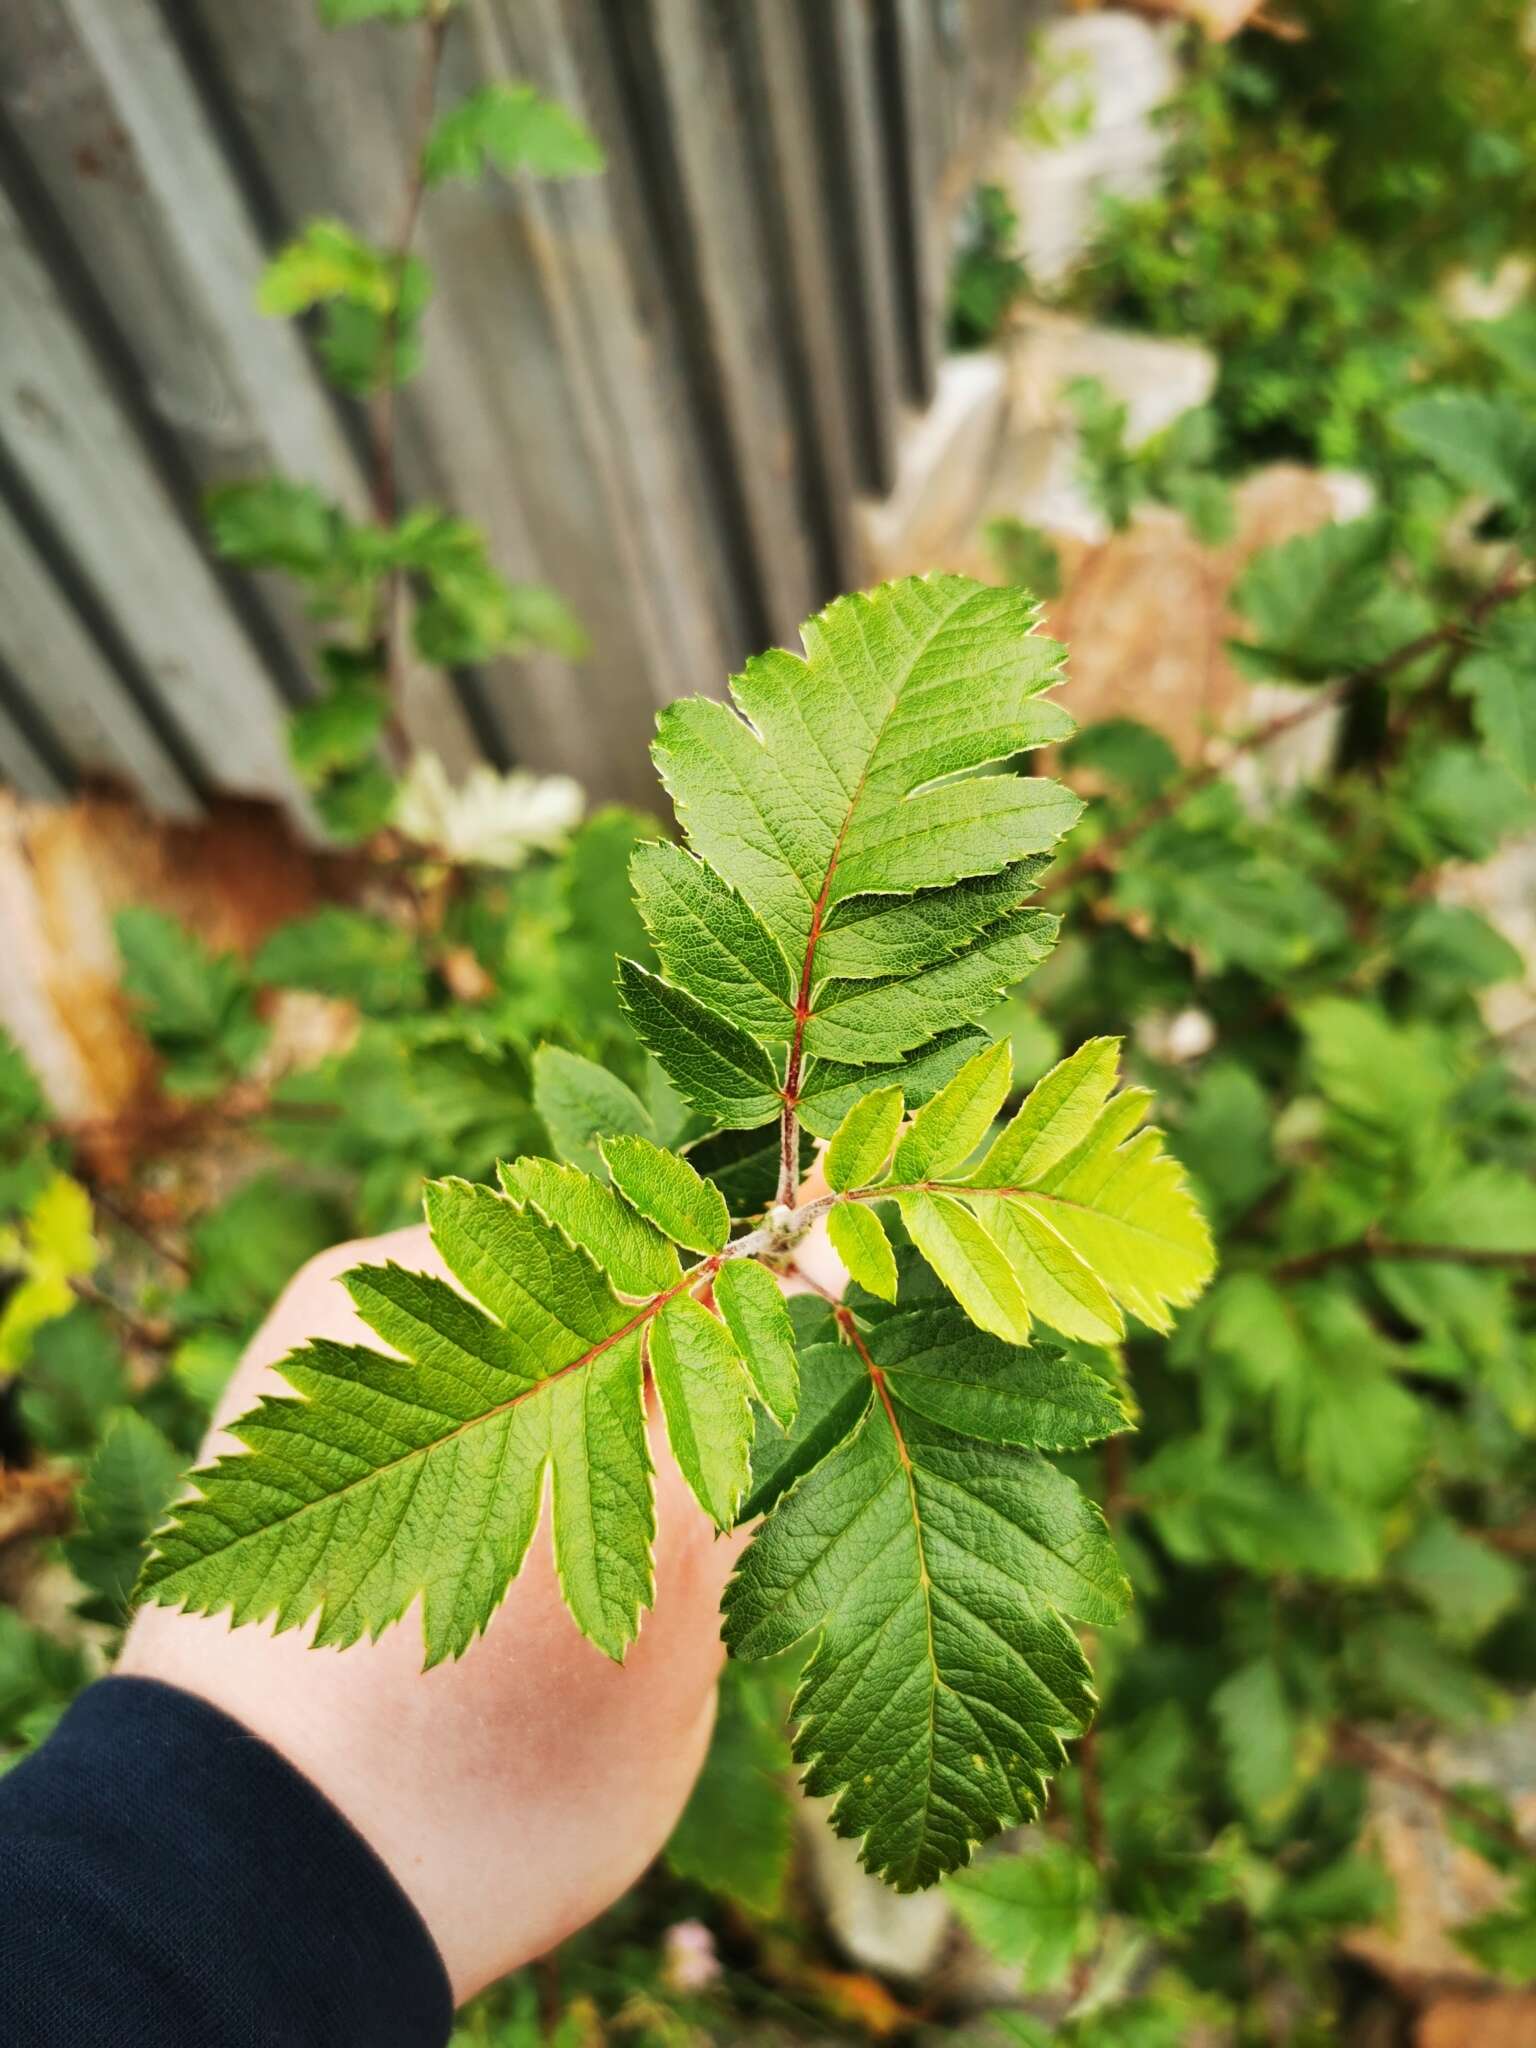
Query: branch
[[1452, 635], [383, 412], [1361, 1250], [1352, 1745]]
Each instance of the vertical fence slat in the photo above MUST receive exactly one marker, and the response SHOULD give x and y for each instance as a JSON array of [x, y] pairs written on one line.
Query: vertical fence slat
[[705, 121], [908, 71], [178, 258], [65, 431], [662, 390], [780, 60], [587, 247], [22, 766], [73, 691], [853, 210]]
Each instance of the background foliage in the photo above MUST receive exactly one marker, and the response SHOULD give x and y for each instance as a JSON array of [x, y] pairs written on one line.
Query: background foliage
[[1327, 1512]]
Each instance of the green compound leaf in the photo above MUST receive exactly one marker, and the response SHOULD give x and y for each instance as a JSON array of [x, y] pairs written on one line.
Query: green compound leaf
[[514, 127], [702, 1386], [850, 897], [834, 800], [937, 1575], [678, 1200], [748, 1298], [1073, 1215], [390, 1479]]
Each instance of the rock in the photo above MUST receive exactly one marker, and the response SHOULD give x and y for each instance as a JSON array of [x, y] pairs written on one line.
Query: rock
[[1439, 1884], [1099, 79], [1147, 614], [1504, 891], [944, 469], [897, 1934], [66, 870], [1506, 2020], [1156, 380]]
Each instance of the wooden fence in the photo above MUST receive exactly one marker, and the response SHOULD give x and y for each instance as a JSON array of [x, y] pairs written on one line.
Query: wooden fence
[[664, 391]]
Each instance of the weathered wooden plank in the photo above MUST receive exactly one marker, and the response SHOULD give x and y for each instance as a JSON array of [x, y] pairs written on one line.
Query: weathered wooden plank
[[778, 60], [590, 243], [70, 439], [117, 135], [325, 112], [906, 58], [844, 118], [701, 117], [60, 670], [22, 766]]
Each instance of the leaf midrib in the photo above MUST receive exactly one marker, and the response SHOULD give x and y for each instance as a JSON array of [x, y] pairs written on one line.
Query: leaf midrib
[[925, 1582], [690, 1279], [792, 1066]]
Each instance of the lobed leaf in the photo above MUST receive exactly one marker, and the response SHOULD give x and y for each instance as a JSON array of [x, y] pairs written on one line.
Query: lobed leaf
[[513, 126], [836, 808], [389, 1479], [937, 1576]]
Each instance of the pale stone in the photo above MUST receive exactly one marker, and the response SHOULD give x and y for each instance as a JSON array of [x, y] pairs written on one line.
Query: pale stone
[[944, 466], [1503, 890], [897, 1934], [1156, 380], [1117, 70], [1439, 1884]]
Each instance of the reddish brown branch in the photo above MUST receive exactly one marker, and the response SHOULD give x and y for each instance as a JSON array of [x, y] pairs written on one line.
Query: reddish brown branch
[[1453, 635], [1352, 1745], [1361, 1250], [383, 413]]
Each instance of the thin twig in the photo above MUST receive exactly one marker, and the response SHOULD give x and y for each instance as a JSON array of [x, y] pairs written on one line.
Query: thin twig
[[1353, 1745], [1361, 1250], [384, 411], [154, 1336], [1453, 635], [1094, 1834]]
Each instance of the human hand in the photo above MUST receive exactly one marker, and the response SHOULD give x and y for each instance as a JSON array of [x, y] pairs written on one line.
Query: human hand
[[513, 1794]]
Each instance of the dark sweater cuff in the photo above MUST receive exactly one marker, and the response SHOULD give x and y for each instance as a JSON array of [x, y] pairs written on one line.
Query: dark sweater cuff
[[167, 1880]]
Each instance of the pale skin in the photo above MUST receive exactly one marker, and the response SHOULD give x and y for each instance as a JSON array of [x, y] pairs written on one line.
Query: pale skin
[[513, 1794]]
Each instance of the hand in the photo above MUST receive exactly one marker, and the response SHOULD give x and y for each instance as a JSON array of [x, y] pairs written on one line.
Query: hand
[[513, 1794]]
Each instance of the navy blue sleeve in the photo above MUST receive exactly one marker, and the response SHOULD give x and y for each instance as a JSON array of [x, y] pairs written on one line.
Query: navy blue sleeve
[[168, 1881]]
